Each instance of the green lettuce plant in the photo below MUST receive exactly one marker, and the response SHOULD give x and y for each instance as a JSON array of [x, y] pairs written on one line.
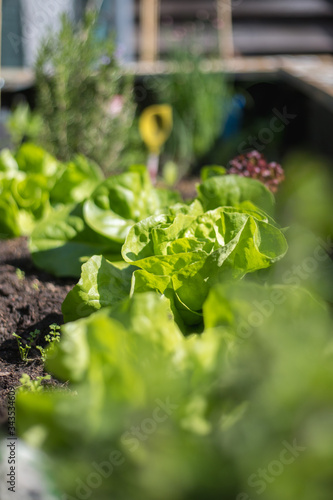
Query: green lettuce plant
[[24, 124], [182, 257], [71, 234], [32, 182], [230, 190], [182, 254]]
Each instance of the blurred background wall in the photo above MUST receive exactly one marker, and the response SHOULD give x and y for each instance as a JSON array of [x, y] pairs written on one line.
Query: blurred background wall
[[149, 29], [27, 22], [259, 27]]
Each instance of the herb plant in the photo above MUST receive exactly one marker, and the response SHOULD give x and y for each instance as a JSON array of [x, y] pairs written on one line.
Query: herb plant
[[84, 100]]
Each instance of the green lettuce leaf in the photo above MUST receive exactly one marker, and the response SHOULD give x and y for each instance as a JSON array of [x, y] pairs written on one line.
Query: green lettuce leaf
[[32, 197], [7, 162], [101, 284], [122, 200], [62, 241], [33, 159], [9, 217], [118, 340], [76, 182], [231, 190], [70, 235], [212, 171], [188, 254]]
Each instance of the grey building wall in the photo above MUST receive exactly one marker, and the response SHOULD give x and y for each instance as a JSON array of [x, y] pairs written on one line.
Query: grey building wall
[[27, 22], [11, 47]]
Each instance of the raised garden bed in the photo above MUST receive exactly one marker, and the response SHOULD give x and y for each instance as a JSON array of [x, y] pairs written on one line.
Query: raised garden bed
[[196, 349], [175, 359]]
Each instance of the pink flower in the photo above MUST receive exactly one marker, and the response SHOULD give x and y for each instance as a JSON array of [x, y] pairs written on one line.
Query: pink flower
[[115, 105]]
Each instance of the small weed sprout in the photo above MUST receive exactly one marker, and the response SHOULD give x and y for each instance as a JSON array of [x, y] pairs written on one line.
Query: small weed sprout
[[52, 338], [25, 345], [35, 285], [27, 384], [20, 274], [42, 351], [54, 335]]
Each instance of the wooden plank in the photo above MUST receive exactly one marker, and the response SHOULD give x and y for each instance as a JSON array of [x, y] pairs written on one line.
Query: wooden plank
[[274, 38], [319, 67], [149, 29], [17, 79], [235, 65], [224, 20], [191, 10], [188, 10], [283, 9], [183, 11], [316, 90]]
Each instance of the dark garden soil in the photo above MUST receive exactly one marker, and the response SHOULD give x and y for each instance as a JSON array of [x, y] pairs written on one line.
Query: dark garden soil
[[29, 299], [186, 187]]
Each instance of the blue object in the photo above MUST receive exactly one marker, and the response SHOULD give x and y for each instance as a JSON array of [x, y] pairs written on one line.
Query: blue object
[[233, 123]]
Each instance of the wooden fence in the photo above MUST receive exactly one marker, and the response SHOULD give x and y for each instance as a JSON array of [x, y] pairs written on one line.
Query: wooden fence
[[237, 27]]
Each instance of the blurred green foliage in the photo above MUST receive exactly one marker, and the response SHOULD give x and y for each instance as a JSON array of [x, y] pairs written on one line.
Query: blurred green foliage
[[200, 103], [24, 124], [241, 411], [306, 195]]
